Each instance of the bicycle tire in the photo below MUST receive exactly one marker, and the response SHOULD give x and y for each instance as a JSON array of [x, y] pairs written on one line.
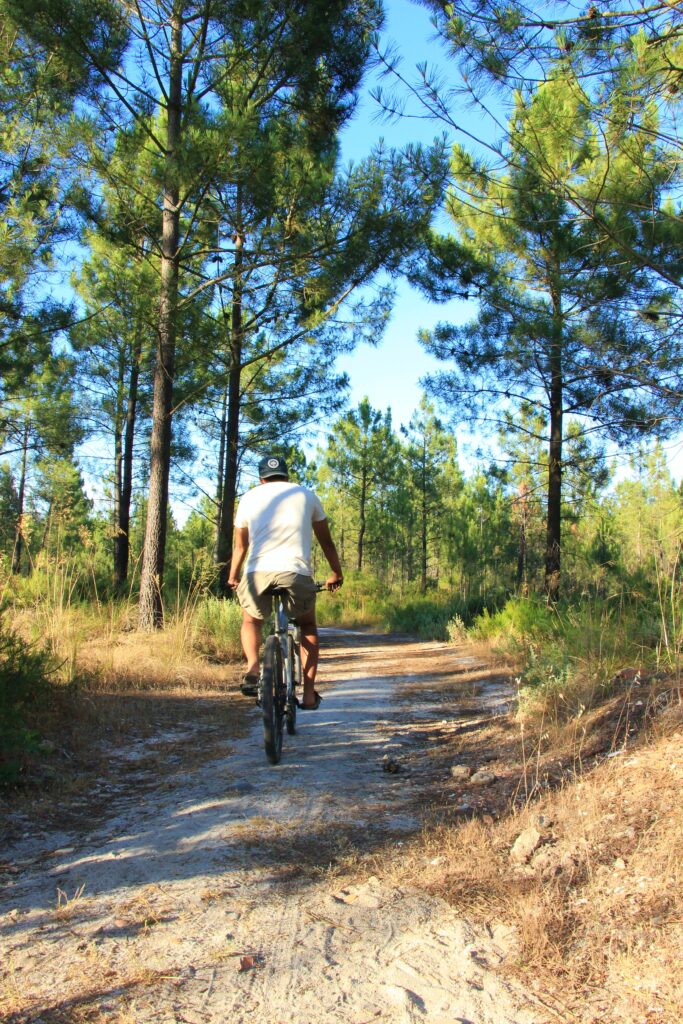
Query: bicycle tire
[[290, 714], [273, 699]]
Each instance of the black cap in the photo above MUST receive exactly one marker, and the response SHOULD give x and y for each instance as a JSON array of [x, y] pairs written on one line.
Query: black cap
[[272, 465]]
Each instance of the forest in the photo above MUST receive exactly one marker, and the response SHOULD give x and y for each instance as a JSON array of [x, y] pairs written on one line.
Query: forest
[[184, 256]]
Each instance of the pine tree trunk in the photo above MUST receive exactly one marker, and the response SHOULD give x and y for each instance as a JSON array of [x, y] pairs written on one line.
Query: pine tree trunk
[[122, 540], [554, 520], [521, 555], [220, 476], [19, 532], [118, 461], [227, 521], [361, 516], [423, 524], [151, 607]]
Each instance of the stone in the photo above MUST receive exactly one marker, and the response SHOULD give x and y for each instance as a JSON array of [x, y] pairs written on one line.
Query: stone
[[461, 771], [525, 845], [545, 863], [569, 860], [482, 778]]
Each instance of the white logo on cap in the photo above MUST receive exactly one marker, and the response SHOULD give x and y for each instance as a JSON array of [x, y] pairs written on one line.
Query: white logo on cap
[[273, 463]]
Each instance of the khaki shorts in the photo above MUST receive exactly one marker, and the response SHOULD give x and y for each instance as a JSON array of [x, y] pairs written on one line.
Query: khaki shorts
[[299, 599]]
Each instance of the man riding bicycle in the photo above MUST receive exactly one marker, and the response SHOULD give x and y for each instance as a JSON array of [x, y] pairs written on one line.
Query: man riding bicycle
[[275, 521]]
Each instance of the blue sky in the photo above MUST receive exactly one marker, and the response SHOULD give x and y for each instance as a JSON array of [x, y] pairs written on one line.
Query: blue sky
[[389, 373]]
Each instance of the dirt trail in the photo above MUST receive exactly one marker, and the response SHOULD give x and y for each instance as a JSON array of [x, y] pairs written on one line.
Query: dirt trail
[[151, 915]]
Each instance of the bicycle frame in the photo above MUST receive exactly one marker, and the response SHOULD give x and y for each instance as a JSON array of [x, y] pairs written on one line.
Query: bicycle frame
[[284, 629], [281, 672]]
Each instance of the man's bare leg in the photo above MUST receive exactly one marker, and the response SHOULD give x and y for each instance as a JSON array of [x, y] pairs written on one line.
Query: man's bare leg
[[309, 655], [250, 635]]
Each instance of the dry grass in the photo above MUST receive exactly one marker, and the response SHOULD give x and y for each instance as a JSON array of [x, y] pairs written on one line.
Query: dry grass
[[90, 1001], [68, 906], [101, 646], [117, 686], [598, 910], [148, 662], [140, 698]]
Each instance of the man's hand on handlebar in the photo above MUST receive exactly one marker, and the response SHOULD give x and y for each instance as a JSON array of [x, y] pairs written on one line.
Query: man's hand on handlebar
[[334, 581]]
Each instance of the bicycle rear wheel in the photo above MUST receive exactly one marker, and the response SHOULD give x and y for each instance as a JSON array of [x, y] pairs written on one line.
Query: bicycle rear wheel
[[295, 671], [273, 699]]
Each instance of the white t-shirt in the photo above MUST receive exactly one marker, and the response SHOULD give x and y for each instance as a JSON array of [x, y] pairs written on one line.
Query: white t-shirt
[[279, 516]]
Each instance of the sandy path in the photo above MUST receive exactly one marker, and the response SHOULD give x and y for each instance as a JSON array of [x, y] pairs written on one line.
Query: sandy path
[[161, 902]]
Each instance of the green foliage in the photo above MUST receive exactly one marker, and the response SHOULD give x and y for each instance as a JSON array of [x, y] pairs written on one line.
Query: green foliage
[[218, 624], [362, 463], [571, 236], [402, 503], [9, 509], [561, 339], [24, 683], [365, 601], [570, 655], [520, 622], [433, 618]]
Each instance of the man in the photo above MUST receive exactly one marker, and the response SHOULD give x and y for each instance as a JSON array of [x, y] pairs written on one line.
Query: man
[[276, 521]]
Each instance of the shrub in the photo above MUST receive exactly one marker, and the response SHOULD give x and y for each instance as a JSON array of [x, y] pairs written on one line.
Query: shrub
[[431, 618], [456, 629], [518, 622], [24, 681]]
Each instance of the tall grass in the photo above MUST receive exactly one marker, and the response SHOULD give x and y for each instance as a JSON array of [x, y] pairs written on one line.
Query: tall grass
[[217, 625], [365, 601], [56, 607], [570, 655]]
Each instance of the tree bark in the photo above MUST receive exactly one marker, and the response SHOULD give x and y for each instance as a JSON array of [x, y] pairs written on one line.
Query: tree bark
[[423, 538], [522, 552], [220, 476], [19, 533], [554, 519], [361, 516], [118, 459], [151, 605], [125, 477], [227, 521]]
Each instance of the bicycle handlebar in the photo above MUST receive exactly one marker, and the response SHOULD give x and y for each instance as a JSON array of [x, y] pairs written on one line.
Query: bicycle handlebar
[[323, 586]]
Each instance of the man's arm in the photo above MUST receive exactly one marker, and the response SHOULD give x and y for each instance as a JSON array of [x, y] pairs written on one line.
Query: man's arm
[[321, 530], [239, 550]]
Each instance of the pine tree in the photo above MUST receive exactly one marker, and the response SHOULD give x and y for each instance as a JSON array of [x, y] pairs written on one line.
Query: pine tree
[[360, 456], [43, 426], [551, 286], [429, 450]]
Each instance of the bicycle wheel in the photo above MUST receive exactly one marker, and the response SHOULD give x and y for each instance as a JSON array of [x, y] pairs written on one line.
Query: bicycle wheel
[[294, 668], [273, 699]]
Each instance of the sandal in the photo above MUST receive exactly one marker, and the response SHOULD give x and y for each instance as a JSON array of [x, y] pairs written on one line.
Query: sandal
[[249, 685], [311, 707]]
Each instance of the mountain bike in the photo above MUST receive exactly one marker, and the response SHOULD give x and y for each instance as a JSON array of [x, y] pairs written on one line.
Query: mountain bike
[[280, 676]]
